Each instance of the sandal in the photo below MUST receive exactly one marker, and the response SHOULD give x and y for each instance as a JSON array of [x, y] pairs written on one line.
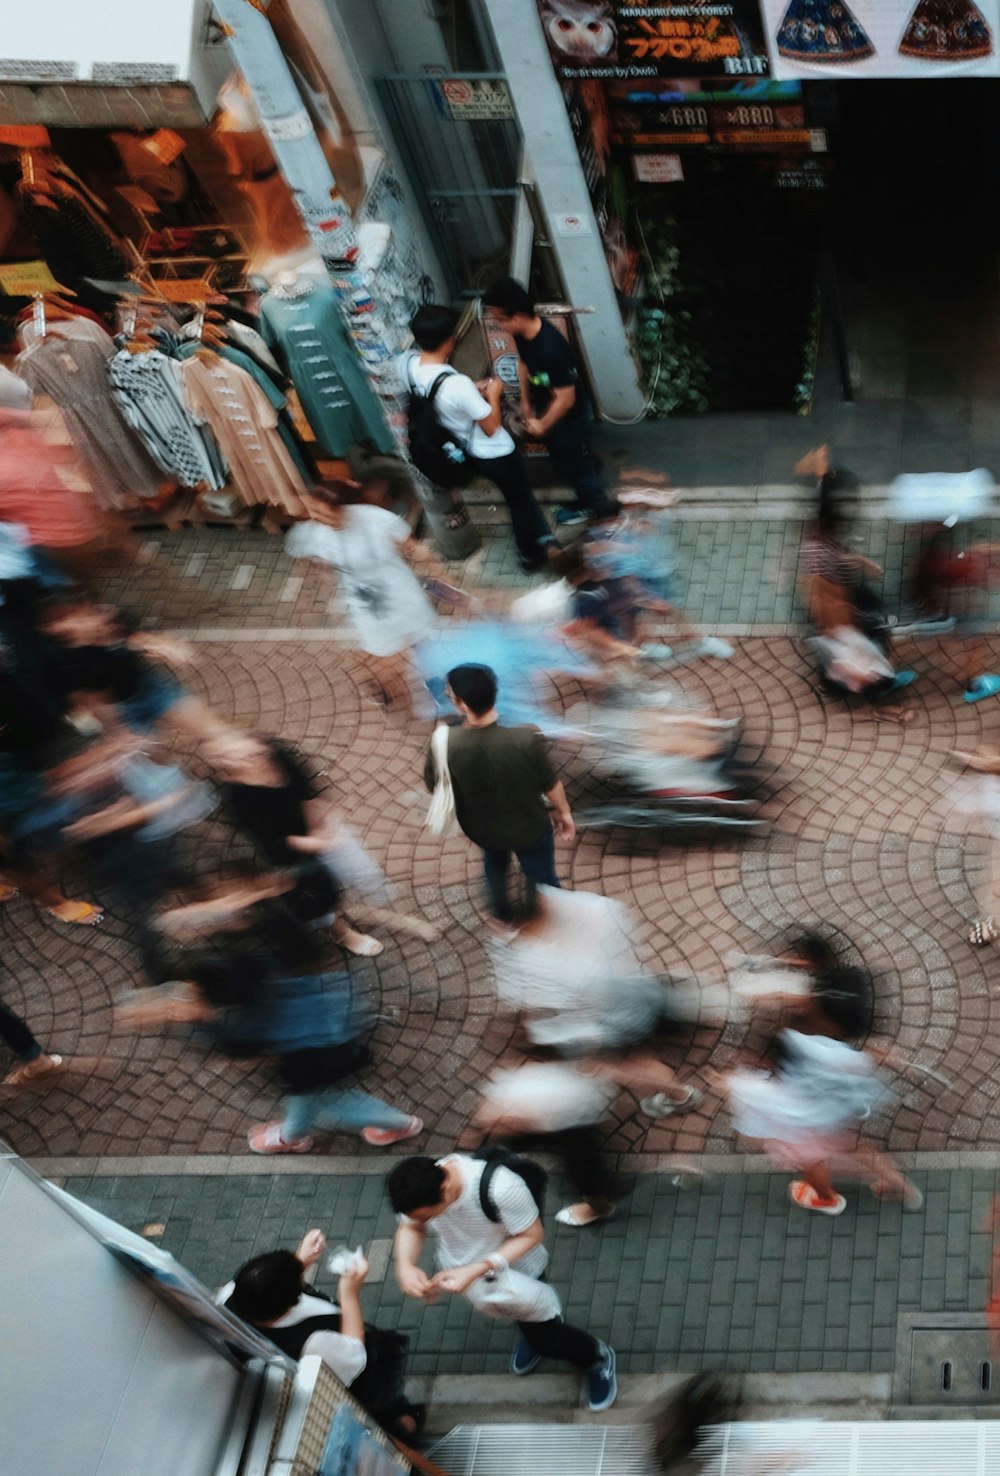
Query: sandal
[[805, 1196], [984, 932], [86, 913], [360, 945], [23, 1075], [568, 1216]]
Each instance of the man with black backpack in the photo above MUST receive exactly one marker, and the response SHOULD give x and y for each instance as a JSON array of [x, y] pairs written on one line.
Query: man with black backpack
[[456, 433], [485, 1214]]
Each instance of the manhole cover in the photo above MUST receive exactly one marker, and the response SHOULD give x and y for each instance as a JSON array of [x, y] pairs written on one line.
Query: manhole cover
[[953, 1365]]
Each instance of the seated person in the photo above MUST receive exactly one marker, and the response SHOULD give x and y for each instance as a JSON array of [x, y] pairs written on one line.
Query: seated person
[[270, 1293]]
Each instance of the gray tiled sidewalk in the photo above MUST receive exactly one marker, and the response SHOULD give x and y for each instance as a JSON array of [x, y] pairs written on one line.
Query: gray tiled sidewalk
[[724, 1272]]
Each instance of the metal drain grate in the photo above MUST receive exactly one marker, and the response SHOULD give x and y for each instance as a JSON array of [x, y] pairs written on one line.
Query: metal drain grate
[[912, 1448]]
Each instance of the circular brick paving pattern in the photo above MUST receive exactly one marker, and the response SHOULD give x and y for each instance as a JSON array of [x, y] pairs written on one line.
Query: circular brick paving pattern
[[860, 837]]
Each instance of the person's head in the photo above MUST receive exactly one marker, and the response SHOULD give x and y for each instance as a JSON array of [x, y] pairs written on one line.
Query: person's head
[[417, 1189], [325, 502], [266, 1287], [236, 756], [510, 304], [473, 689], [434, 328]]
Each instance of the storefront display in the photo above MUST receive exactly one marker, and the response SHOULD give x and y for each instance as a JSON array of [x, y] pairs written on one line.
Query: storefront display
[[883, 38]]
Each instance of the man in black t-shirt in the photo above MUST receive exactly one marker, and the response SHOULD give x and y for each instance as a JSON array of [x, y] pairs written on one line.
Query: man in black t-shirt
[[554, 403]]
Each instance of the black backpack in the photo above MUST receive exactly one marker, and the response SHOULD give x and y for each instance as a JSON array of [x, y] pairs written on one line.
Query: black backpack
[[494, 1156], [434, 450]]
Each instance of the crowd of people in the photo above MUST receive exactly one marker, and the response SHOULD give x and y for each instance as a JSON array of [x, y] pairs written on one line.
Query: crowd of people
[[111, 764]]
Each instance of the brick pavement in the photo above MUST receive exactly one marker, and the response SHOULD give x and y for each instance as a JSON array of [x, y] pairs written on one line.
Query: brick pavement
[[721, 1274], [856, 810]]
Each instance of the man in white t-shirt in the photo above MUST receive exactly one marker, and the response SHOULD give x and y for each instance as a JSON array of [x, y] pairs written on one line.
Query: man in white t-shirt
[[472, 414], [497, 1260]]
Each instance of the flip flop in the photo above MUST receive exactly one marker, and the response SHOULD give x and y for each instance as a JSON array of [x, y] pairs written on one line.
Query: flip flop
[[85, 913], [367, 947], [983, 686], [805, 1196]]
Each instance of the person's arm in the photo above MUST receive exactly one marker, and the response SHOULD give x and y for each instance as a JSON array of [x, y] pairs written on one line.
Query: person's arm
[[525, 407], [352, 1323], [413, 1279], [492, 394], [562, 401], [458, 1279], [562, 818]]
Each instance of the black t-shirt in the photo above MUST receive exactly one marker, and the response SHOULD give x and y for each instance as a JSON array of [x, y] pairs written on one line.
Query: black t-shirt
[[271, 814], [551, 365], [116, 668]]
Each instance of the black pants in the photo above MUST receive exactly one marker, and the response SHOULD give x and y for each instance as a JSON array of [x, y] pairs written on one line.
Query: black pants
[[574, 463], [582, 1157], [510, 477], [15, 1032], [558, 1339]]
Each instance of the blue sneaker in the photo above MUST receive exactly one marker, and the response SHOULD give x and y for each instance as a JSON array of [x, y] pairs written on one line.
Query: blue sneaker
[[982, 686], [524, 1359], [602, 1382], [902, 679]]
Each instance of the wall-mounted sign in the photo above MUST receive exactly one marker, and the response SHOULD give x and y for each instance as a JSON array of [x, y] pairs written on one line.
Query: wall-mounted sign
[[684, 113], [883, 38], [471, 99], [658, 168], [674, 37]]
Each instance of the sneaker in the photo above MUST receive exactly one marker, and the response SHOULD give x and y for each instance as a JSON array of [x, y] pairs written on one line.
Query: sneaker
[[571, 517], [524, 1359], [656, 651], [266, 1138], [713, 646], [602, 1381], [382, 1137], [663, 1106]]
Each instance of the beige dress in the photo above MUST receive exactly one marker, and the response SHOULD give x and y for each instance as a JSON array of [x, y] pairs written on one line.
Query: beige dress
[[245, 424]]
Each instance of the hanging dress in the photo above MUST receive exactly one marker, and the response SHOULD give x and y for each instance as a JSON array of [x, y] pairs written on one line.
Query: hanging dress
[[822, 31], [948, 31], [149, 390], [246, 427], [72, 369], [333, 389]]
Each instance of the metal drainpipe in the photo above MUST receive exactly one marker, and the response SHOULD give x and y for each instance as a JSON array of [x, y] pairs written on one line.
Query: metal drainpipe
[[330, 227]]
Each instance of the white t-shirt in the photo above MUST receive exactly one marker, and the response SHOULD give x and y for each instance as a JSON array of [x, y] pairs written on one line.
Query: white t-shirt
[[463, 1232], [345, 1356], [459, 405], [383, 598]]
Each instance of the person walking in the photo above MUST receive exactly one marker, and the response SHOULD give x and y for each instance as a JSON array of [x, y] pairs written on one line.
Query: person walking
[[472, 414], [555, 406], [490, 1248], [502, 777]]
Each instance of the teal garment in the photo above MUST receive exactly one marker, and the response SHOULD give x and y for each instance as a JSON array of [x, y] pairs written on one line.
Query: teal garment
[[332, 387], [277, 398]]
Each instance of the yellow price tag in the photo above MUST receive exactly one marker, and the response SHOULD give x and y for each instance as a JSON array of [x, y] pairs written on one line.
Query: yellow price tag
[[27, 279]]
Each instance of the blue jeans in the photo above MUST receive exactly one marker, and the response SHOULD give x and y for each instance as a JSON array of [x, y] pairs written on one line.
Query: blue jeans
[[338, 1111], [538, 862]]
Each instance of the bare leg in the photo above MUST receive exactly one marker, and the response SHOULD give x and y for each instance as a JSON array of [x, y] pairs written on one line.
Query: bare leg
[[817, 1176], [398, 922], [362, 945], [642, 1073]]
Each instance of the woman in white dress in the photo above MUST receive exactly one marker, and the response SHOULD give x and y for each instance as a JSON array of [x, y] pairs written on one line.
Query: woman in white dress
[[382, 597]]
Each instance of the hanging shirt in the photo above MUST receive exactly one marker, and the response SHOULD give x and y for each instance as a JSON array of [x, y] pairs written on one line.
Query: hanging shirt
[[149, 390], [384, 599], [245, 424], [72, 369], [332, 387]]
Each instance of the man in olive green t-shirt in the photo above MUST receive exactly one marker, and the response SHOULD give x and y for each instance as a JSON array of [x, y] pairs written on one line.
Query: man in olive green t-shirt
[[500, 776]]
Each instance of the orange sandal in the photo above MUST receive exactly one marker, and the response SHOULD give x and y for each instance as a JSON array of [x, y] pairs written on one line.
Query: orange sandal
[[805, 1196]]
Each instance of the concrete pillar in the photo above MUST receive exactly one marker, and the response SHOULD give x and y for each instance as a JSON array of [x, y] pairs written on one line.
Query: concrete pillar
[[569, 215]]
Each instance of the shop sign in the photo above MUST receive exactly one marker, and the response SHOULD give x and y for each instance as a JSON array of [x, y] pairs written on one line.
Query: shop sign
[[883, 38], [674, 38], [658, 168], [679, 113], [27, 279], [471, 100]]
